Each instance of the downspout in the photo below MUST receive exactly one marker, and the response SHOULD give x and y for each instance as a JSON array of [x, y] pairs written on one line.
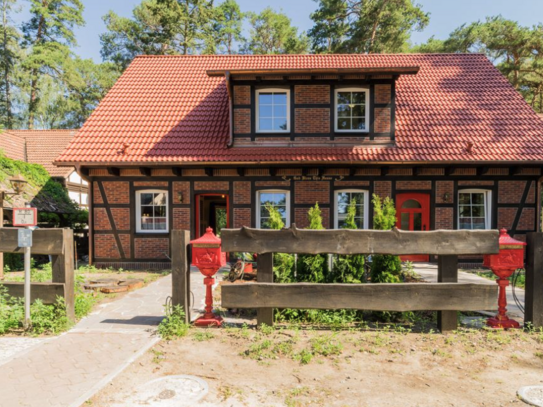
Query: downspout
[[230, 110], [90, 195]]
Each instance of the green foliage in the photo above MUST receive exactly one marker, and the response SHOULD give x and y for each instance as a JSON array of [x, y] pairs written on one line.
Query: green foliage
[[226, 29], [275, 221], [11, 311], [271, 32], [283, 264], [371, 26], [385, 268], [48, 318], [174, 326], [313, 268]]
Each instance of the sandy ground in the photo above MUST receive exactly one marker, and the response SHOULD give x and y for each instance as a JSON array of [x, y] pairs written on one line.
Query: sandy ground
[[356, 367]]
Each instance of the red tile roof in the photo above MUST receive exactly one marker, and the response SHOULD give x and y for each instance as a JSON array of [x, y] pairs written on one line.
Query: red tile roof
[[165, 109], [12, 146], [43, 146]]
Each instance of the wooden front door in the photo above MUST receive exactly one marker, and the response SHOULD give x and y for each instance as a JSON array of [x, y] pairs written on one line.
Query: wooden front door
[[413, 213]]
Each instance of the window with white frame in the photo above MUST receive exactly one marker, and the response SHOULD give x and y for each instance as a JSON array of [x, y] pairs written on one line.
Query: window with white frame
[[280, 200], [152, 211], [474, 209], [343, 199], [272, 110], [352, 108]]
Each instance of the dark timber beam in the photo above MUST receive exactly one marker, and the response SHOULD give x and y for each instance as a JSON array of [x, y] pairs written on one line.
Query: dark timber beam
[[178, 171], [209, 171], [384, 171], [145, 171], [273, 172], [241, 171], [482, 171], [515, 170], [449, 171], [113, 171]]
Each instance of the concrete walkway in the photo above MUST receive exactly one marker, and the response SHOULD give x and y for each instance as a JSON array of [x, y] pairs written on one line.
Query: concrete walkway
[[67, 370], [428, 272]]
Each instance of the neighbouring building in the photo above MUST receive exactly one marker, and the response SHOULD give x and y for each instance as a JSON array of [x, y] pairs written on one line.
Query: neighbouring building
[[42, 147], [182, 142]]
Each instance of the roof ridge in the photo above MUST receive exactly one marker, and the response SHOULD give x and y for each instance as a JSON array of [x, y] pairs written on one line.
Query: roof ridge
[[310, 55]]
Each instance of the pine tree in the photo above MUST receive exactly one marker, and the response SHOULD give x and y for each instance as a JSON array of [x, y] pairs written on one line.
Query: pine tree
[[9, 59], [226, 28], [48, 36]]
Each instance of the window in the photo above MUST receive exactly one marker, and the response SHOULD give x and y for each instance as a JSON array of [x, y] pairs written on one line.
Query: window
[[474, 209], [152, 211], [279, 199], [352, 106], [343, 199], [272, 111]]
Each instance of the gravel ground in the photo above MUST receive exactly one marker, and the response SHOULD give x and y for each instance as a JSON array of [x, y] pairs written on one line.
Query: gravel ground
[[11, 346]]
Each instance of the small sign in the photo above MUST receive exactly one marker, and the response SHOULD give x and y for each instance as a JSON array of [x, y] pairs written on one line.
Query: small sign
[[24, 238], [25, 216]]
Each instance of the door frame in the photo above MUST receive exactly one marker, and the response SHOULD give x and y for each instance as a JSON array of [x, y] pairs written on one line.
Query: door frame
[[197, 211], [424, 198]]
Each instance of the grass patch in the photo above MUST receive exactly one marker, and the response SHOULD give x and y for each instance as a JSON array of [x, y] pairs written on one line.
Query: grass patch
[[174, 326]]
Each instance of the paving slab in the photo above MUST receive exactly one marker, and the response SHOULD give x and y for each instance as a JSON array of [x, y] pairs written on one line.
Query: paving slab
[[66, 370]]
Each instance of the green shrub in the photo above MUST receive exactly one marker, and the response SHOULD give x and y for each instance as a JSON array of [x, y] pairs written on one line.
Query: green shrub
[[11, 311], [48, 318], [174, 326], [385, 268], [313, 268], [283, 263]]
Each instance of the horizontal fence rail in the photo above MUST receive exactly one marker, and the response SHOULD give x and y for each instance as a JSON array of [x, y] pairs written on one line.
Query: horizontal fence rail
[[368, 297], [345, 241], [46, 292], [44, 241]]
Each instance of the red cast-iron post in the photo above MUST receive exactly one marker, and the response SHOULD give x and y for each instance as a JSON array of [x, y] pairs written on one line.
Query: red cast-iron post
[[208, 257], [503, 265]]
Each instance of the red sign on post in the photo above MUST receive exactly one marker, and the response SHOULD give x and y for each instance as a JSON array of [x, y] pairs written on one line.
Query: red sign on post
[[25, 216]]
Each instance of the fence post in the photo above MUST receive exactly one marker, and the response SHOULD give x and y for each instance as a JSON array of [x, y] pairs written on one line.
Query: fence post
[[447, 272], [63, 271], [264, 274], [181, 271], [534, 280]]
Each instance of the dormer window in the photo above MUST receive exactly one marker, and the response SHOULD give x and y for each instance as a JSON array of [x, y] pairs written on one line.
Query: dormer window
[[352, 108], [272, 110]]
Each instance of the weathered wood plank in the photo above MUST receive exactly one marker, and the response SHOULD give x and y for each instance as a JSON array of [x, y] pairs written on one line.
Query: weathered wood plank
[[264, 275], [181, 270], [345, 241], [534, 280], [447, 272], [44, 241], [371, 297], [63, 271], [47, 292]]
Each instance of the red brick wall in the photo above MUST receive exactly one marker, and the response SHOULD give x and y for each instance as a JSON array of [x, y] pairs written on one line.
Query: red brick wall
[[383, 188], [242, 217], [311, 94], [242, 192], [101, 220], [152, 248], [105, 246], [182, 187], [309, 192], [125, 243], [383, 93], [414, 185], [527, 219], [444, 218], [242, 95], [506, 217], [117, 192], [272, 183], [312, 120], [472, 183], [352, 183], [302, 221], [442, 188], [151, 183], [211, 186], [121, 217], [382, 120], [96, 194], [181, 218], [510, 191], [531, 194], [242, 121]]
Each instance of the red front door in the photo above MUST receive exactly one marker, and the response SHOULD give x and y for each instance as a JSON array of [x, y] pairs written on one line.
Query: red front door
[[413, 213]]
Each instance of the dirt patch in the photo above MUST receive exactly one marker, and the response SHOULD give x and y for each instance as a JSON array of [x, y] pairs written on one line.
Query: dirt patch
[[296, 367]]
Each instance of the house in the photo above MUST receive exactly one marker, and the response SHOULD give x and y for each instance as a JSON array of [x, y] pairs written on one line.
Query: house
[[42, 147], [186, 142]]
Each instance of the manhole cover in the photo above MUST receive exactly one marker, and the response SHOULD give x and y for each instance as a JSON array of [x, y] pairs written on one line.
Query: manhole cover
[[174, 391], [532, 395]]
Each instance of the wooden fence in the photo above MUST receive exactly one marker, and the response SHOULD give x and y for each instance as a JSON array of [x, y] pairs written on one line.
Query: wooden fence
[[447, 296], [59, 243]]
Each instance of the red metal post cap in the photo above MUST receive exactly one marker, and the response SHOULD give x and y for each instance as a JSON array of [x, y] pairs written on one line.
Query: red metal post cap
[[506, 240], [208, 238]]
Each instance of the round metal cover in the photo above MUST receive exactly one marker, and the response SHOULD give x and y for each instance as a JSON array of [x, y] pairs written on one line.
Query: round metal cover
[[169, 391], [532, 395]]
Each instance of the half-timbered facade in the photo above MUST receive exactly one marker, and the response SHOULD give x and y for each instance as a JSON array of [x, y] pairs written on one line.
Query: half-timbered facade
[[186, 142]]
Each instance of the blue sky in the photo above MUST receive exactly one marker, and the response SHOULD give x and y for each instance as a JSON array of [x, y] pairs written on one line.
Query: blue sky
[[445, 16]]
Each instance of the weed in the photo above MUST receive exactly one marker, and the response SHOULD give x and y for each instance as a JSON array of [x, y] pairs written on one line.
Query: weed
[[539, 355], [304, 356], [174, 326], [203, 335], [259, 350], [47, 318], [267, 330], [158, 356], [290, 399], [326, 345]]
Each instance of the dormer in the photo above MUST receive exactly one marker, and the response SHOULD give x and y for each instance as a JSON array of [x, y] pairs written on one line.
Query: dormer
[[312, 107]]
